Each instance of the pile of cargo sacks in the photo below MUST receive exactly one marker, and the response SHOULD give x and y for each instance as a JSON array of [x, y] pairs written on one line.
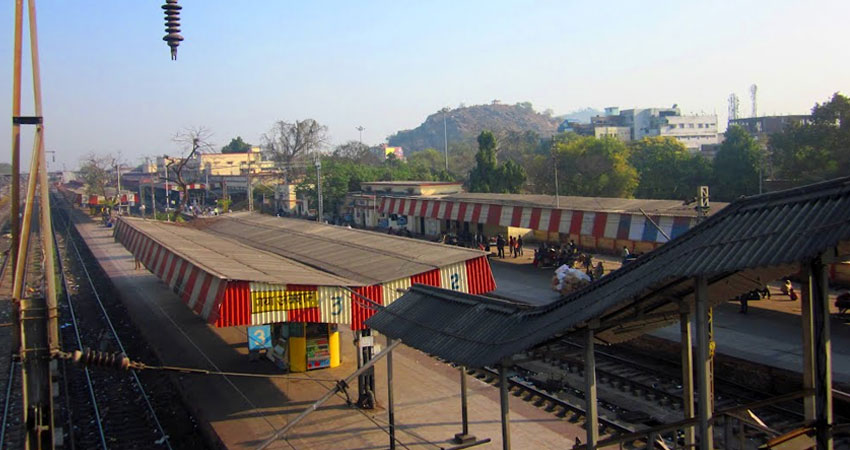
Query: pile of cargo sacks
[[568, 279]]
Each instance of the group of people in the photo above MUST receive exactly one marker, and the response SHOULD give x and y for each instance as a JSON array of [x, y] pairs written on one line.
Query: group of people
[[514, 245]]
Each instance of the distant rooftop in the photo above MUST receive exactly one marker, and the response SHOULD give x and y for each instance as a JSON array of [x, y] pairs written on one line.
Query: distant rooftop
[[600, 204]]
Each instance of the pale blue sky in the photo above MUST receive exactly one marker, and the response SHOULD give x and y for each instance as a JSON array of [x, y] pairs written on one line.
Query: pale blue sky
[[109, 84]]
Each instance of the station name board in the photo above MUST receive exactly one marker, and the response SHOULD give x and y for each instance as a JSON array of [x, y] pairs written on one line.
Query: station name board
[[267, 301]]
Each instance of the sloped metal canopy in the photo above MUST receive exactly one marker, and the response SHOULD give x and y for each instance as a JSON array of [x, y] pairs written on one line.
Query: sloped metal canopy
[[751, 242]]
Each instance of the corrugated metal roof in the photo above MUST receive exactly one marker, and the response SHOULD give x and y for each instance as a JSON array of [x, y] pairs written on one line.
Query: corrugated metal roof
[[365, 256], [601, 204], [229, 259], [751, 242]]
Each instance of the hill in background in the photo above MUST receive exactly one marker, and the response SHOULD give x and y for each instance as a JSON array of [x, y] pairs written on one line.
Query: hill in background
[[464, 124]]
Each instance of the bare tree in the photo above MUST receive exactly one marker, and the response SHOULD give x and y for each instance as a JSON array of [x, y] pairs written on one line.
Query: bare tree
[[356, 152], [185, 169], [96, 172], [286, 142]]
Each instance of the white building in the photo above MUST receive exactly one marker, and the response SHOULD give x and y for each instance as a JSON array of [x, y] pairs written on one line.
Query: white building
[[694, 131]]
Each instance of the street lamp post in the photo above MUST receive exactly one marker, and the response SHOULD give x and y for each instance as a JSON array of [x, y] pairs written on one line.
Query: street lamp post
[[319, 188], [360, 129]]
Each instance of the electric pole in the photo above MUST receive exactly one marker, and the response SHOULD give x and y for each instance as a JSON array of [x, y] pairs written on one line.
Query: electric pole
[[446, 137]]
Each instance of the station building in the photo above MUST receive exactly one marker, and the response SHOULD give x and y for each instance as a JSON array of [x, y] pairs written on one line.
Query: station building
[[594, 223], [296, 281]]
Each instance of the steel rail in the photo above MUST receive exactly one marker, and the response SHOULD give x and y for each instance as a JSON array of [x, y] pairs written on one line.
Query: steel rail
[[61, 267], [11, 379], [136, 379], [555, 401]]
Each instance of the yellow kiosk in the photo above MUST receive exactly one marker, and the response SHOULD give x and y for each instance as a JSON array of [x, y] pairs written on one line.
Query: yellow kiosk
[[312, 346]]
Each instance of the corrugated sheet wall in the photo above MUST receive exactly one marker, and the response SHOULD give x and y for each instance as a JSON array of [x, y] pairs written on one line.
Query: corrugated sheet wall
[[391, 289], [236, 305], [454, 277], [360, 310], [201, 291], [479, 276], [589, 227]]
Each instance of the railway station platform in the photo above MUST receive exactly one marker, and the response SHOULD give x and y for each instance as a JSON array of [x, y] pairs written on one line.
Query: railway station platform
[[238, 412], [769, 334]]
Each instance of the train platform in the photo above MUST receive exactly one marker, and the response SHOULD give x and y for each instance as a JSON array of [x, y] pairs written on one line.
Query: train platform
[[238, 412]]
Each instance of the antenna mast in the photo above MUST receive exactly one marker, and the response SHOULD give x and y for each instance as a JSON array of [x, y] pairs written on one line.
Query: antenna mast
[[753, 92], [733, 106]]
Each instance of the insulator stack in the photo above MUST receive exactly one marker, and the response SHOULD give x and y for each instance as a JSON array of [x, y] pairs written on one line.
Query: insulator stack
[[172, 26], [93, 358]]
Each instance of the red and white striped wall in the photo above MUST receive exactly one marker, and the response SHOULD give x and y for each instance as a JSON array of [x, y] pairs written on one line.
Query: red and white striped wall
[[202, 291], [226, 302], [595, 228]]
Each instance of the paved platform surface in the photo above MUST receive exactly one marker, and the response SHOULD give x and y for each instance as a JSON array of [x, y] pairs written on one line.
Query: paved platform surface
[[242, 412], [771, 333]]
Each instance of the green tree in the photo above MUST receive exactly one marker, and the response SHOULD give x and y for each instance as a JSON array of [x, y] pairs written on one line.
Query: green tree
[[484, 177], [236, 145], [593, 167], [736, 165], [817, 151], [488, 175], [666, 169]]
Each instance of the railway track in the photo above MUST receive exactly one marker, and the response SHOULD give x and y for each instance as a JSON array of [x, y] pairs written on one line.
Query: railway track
[[653, 383], [109, 408]]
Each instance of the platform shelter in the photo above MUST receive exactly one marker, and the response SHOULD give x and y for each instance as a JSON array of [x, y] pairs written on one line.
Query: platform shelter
[[254, 270], [751, 242]]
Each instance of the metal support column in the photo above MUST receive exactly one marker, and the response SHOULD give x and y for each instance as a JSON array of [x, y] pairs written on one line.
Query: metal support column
[[704, 375], [390, 404], [463, 437], [15, 221], [823, 355], [505, 406], [366, 380], [591, 423], [806, 315], [687, 372]]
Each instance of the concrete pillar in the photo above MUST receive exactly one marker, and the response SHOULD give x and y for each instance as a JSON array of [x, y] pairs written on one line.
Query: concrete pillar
[[808, 368], [704, 365], [687, 372], [591, 424], [505, 406], [823, 355]]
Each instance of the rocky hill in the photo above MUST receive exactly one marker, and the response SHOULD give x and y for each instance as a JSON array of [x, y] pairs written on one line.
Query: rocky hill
[[465, 123]]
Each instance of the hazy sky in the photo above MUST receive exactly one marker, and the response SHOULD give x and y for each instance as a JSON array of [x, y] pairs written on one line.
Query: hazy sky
[[109, 84]]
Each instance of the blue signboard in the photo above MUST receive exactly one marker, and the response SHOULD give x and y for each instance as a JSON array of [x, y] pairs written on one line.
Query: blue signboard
[[402, 221], [259, 337]]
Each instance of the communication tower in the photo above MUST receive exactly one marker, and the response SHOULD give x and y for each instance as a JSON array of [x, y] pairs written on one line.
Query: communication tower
[[753, 92], [733, 106]]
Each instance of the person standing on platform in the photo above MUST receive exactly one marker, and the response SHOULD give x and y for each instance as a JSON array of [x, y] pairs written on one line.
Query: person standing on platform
[[512, 243], [519, 245], [500, 246]]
